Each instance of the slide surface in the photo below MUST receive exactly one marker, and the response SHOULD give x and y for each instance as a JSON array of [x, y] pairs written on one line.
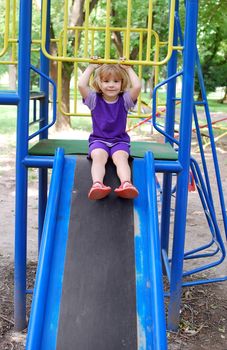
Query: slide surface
[[98, 295]]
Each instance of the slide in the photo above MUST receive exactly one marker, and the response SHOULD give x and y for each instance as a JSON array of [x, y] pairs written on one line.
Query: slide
[[99, 280]]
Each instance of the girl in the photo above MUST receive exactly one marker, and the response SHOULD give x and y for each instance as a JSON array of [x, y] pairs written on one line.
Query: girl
[[109, 103]]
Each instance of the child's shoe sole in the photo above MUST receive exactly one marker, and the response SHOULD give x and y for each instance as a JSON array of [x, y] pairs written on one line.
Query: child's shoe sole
[[127, 193], [98, 193]]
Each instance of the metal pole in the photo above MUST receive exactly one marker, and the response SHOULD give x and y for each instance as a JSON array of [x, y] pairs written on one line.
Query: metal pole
[[169, 128], [44, 113], [184, 158], [21, 171]]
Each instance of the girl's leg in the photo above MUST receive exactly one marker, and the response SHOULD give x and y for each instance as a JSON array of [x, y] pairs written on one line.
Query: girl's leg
[[98, 190], [120, 159], [99, 158], [126, 189]]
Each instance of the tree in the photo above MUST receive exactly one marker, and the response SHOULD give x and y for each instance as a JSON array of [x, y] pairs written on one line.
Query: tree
[[212, 43]]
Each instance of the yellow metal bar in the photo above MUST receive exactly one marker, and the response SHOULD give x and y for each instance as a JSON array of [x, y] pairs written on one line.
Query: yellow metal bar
[[107, 30], [92, 43], [219, 127], [65, 30], [119, 29], [124, 43], [180, 48], [149, 27], [14, 30], [35, 50], [156, 68], [6, 33], [171, 31], [86, 25], [38, 41], [215, 140], [130, 116], [9, 62], [75, 71], [59, 75], [140, 68], [128, 31]]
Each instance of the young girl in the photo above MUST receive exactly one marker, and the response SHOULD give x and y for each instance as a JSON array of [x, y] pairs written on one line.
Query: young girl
[[109, 103]]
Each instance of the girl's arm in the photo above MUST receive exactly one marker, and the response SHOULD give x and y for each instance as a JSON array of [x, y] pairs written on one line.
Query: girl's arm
[[135, 82], [83, 83]]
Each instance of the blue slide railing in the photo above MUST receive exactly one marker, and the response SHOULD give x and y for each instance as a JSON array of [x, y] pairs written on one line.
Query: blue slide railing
[[149, 285], [42, 280], [154, 253]]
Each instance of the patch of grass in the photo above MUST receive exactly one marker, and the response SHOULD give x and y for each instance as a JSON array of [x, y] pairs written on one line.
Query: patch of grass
[[8, 117], [81, 123], [216, 106]]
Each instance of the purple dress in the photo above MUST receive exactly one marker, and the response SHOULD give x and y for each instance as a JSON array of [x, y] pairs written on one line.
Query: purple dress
[[109, 118]]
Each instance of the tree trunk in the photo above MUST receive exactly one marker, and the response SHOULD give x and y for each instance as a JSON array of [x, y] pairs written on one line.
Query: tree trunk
[[63, 121], [12, 77], [199, 97], [224, 99]]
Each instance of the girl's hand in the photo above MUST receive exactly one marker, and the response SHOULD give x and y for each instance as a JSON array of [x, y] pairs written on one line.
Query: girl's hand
[[124, 66], [95, 65], [134, 79]]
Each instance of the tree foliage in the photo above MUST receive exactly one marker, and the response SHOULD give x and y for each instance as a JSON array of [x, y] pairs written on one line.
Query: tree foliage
[[212, 42]]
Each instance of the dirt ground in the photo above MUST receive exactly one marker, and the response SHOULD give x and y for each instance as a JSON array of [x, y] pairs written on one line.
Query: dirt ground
[[203, 318]]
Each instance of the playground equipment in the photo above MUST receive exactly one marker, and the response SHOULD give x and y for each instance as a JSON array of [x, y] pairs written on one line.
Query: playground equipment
[[54, 288]]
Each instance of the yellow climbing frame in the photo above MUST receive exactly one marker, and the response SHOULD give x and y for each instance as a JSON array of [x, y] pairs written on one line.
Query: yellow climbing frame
[[92, 34], [150, 47], [9, 43]]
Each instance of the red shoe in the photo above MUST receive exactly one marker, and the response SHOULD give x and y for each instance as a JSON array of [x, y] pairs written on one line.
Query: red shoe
[[127, 190], [98, 191]]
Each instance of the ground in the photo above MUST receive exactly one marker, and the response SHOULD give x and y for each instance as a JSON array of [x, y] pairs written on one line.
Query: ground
[[203, 318]]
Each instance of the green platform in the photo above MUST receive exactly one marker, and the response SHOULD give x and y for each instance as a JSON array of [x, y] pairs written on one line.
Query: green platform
[[138, 149]]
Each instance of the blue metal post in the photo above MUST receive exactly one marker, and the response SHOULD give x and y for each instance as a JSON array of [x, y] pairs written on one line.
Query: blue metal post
[[212, 142], [169, 128], [9, 98], [21, 171], [184, 158], [44, 104], [154, 255]]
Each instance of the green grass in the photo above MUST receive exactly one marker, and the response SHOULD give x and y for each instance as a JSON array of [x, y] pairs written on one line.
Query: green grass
[[81, 123], [216, 106], [8, 117]]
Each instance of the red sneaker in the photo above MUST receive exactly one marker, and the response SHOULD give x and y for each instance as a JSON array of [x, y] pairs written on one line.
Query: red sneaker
[[127, 190], [98, 191]]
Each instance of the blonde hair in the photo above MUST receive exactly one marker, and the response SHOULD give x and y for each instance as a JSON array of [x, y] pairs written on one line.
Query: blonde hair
[[107, 71]]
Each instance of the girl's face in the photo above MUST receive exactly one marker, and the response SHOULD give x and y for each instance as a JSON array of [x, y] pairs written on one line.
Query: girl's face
[[110, 86]]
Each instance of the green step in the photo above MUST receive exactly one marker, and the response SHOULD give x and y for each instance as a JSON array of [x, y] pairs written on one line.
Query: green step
[[47, 147]]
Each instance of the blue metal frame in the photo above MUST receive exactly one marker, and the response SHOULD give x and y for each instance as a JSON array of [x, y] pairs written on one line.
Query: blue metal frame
[[184, 158], [21, 174], [212, 141], [46, 126], [44, 111], [169, 128], [42, 280], [43, 324], [180, 167], [9, 98]]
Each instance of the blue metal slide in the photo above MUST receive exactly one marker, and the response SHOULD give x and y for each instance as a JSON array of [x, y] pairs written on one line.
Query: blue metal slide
[[108, 266]]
